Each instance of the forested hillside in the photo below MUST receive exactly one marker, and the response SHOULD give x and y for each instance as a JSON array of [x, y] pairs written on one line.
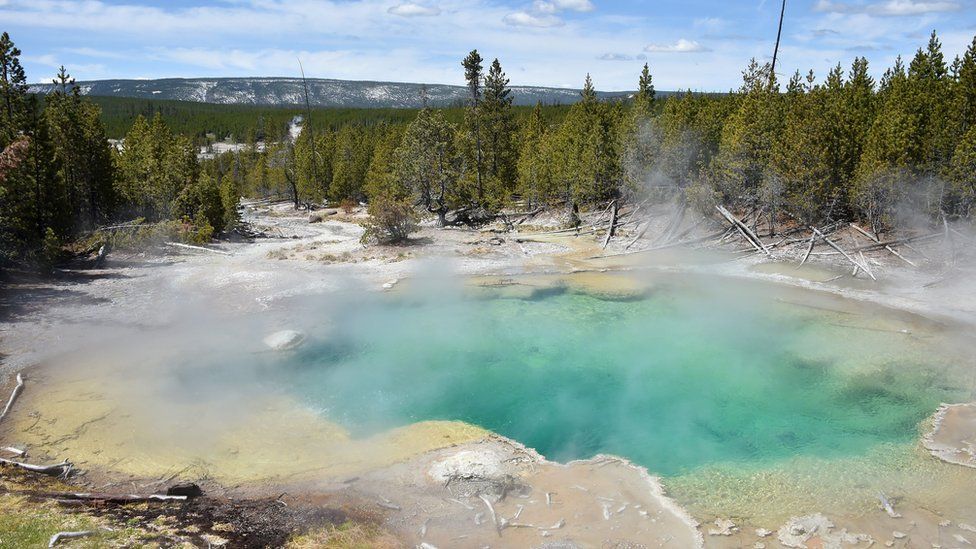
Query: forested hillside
[[321, 92], [838, 146]]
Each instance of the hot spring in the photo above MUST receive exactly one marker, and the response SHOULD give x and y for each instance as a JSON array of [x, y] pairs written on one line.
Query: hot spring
[[745, 398]]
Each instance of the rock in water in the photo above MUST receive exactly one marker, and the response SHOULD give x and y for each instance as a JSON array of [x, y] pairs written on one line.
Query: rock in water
[[284, 340]]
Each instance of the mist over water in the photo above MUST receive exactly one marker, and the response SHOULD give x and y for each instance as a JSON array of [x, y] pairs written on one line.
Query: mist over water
[[691, 376]]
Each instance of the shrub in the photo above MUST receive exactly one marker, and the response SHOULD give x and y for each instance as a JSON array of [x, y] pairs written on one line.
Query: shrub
[[390, 220]]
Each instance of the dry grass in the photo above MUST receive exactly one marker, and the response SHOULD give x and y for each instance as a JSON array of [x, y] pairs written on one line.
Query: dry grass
[[347, 536]]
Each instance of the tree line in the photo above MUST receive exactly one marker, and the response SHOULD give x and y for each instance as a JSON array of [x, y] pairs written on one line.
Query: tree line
[[837, 148]]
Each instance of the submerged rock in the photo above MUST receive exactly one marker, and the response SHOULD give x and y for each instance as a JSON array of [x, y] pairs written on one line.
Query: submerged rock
[[723, 527], [798, 530], [953, 434], [284, 340], [187, 489]]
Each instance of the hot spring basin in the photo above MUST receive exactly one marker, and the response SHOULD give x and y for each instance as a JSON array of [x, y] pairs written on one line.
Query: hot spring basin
[[747, 398]]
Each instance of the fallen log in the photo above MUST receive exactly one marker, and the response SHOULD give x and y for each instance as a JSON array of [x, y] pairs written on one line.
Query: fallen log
[[880, 245], [15, 451], [661, 247], [13, 396], [877, 241], [116, 499], [745, 230], [56, 538], [813, 241], [842, 252], [196, 248], [62, 469]]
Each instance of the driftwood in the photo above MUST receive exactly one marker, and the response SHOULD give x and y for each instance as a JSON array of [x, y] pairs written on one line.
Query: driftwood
[[13, 396], [62, 469], [831, 243], [612, 227], [117, 499], [56, 538], [196, 248], [813, 242], [877, 241], [494, 517], [662, 247], [15, 451], [744, 229], [880, 245]]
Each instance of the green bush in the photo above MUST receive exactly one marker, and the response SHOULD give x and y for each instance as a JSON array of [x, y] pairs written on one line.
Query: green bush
[[390, 220]]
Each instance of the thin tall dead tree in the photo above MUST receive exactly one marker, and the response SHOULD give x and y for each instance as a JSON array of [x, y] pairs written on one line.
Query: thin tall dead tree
[[779, 34]]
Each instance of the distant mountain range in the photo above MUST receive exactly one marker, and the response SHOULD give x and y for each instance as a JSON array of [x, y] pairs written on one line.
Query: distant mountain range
[[322, 92]]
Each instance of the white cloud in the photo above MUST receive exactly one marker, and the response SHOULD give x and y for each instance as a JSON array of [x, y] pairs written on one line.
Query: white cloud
[[615, 57], [409, 9], [554, 6], [892, 8], [526, 19], [681, 46]]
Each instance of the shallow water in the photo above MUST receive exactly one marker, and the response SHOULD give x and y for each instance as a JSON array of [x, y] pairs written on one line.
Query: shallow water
[[693, 377], [752, 400]]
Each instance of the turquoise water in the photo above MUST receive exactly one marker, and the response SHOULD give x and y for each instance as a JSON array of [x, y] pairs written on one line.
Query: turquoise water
[[686, 378]]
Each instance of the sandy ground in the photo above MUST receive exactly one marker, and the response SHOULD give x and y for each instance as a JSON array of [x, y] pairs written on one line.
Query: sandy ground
[[470, 489]]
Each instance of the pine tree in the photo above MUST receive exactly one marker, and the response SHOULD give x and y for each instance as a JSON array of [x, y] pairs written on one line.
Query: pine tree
[[13, 92], [499, 129], [533, 164], [740, 168], [473, 76], [644, 99], [427, 164], [380, 177]]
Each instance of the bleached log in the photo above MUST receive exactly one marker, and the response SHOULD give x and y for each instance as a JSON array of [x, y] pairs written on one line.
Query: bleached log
[[662, 247], [196, 248], [15, 451], [56, 538], [640, 235], [116, 498], [842, 252], [58, 469], [877, 241], [13, 396], [813, 242], [898, 241], [886, 504], [744, 229], [494, 517]]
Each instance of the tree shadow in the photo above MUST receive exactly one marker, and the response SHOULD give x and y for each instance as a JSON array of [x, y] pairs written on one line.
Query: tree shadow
[[23, 293]]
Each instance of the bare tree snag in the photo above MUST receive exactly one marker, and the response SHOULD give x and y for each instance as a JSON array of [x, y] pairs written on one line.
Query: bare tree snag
[[612, 228]]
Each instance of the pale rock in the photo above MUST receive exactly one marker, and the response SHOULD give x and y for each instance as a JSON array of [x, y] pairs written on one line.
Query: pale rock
[[284, 340], [899, 535], [763, 533], [798, 530], [723, 527]]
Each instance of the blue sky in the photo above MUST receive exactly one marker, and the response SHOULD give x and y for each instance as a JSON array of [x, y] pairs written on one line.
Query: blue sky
[[696, 44]]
